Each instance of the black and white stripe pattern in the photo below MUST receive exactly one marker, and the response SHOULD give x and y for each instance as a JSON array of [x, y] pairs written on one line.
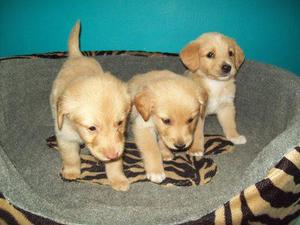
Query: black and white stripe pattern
[[274, 200], [183, 170]]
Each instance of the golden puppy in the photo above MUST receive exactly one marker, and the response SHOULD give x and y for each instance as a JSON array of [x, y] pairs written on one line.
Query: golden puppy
[[91, 107], [213, 60], [166, 114]]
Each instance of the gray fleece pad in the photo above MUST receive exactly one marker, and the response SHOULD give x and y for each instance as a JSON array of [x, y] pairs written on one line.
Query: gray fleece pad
[[268, 114]]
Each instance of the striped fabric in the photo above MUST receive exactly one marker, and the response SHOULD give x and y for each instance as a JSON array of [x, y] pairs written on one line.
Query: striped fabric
[[183, 170]]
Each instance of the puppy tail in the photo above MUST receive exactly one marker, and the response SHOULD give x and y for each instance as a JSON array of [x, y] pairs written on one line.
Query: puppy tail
[[73, 43]]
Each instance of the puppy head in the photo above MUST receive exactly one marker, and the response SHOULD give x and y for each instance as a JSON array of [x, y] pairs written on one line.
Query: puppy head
[[217, 56], [97, 110], [174, 106]]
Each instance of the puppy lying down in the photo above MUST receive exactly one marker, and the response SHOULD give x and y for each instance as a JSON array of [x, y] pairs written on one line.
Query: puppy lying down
[[89, 106], [167, 114], [213, 61]]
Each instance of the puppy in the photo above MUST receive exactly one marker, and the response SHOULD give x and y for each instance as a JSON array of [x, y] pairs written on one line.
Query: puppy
[[168, 110], [89, 106], [213, 61]]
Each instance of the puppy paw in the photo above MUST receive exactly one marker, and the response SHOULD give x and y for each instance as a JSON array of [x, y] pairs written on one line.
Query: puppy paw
[[70, 174], [239, 140], [167, 156], [156, 177], [120, 184], [194, 153]]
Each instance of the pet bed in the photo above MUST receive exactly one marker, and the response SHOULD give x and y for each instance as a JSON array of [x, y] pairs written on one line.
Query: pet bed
[[253, 183]]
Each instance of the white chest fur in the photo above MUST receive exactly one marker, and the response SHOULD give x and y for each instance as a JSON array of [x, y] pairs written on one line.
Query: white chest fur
[[219, 93]]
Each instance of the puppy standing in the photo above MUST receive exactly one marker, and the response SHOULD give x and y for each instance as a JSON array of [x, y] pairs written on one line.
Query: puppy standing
[[166, 114], [213, 60], [91, 107]]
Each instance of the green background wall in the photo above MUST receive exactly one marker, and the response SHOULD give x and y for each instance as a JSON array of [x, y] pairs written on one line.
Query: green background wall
[[267, 30]]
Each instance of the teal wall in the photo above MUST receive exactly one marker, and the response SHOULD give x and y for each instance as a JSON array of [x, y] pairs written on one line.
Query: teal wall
[[267, 30]]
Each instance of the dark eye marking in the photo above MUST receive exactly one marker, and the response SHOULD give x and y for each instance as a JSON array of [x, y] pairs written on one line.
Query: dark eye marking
[[190, 120], [92, 128], [166, 121], [120, 123], [210, 55], [231, 53]]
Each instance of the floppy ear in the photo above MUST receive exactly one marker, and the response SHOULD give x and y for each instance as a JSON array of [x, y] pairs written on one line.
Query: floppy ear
[[60, 113], [190, 56], [239, 55], [203, 98], [144, 104]]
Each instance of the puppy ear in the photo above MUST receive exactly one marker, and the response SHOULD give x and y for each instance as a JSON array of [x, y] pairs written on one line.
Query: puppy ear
[[203, 98], [144, 104], [60, 113], [190, 56], [239, 55]]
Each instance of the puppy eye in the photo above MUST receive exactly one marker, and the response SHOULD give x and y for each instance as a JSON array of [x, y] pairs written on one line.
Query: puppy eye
[[190, 120], [120, 123], [92, 128], [210, 55], [230, 53], [166, 121]]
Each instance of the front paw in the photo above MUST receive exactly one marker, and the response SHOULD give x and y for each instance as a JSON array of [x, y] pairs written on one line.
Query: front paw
[[156, 177], [167, 156], [239, 140], [70, 174], [196, 152], [121, 184]]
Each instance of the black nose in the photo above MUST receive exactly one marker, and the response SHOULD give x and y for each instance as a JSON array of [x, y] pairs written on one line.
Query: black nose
[[180, 146], [226, 68]]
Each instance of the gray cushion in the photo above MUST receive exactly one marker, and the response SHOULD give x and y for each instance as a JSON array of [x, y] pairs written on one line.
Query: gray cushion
[[268, 114]]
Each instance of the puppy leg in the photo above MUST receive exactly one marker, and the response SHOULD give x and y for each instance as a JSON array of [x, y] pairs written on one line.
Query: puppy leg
[[69, 152], [226, 117], [167, 155], [145, 139], [116, 176], [197, 148]]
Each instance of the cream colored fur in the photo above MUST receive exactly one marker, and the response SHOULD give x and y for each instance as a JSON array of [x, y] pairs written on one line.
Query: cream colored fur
[[89, 106], [207, 72], [168, 110]]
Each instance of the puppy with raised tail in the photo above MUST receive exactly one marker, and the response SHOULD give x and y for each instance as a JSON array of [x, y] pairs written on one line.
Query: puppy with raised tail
[[89, 106], [213, 61], [167, 114]]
